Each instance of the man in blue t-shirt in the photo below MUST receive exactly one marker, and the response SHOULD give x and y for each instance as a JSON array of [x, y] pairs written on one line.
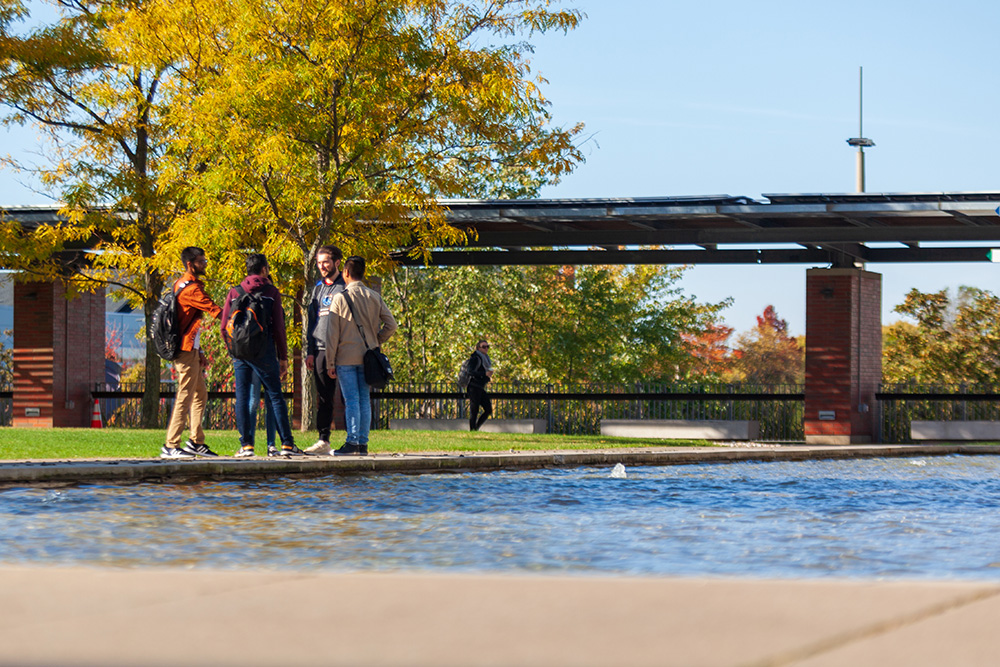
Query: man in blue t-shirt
[[329, 259]]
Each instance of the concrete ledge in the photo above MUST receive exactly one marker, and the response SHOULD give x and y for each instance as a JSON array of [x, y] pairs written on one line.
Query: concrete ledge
[[515, 426], [428, 424], [955, 430], [826, 439], [491, 425], [686, 429]]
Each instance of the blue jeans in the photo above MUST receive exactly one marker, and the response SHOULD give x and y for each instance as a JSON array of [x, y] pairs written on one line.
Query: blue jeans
[[266, 368], [268, 414], [357, 402]]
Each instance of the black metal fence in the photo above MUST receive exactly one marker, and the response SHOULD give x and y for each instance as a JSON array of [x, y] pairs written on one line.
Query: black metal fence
[[579, 409], [901, 404], [568, 409], [6, 405], [122, 407]]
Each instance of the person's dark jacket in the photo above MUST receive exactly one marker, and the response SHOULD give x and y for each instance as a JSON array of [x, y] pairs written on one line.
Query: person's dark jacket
[[268, 291], [477, 372]]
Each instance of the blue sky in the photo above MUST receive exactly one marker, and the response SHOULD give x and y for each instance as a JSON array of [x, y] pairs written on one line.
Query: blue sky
[[724, 97]]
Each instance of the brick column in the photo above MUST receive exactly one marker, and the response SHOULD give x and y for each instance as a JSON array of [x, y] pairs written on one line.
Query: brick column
[[58, 354], [843, 355]]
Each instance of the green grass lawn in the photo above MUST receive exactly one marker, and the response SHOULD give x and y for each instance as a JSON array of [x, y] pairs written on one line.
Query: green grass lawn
[[86, 443]]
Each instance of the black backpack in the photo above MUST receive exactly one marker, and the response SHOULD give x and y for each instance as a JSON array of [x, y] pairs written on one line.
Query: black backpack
[[464, 374], [248, 328], [165, 326]]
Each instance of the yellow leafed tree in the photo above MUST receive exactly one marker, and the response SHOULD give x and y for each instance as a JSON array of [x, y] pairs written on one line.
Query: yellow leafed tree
[[99, 115], [345, 121]]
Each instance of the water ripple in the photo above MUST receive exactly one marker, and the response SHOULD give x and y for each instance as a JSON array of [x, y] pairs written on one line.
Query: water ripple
[[916, 518]]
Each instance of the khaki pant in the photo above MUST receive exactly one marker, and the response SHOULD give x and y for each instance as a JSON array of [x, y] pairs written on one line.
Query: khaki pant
[[189, 406]]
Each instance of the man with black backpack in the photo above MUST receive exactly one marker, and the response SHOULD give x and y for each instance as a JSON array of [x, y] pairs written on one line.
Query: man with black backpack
[[189, 363], [253, 328]]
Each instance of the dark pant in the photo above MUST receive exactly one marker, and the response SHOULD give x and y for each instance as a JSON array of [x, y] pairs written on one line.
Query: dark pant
[[478, 398], [269, 372], [326, 389], [251, 424]]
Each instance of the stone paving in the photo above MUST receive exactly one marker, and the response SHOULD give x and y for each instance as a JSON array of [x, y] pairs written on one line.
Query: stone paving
[[102, 617]]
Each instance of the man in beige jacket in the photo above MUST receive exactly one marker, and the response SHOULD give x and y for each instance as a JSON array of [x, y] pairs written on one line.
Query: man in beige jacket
[[347, 348]]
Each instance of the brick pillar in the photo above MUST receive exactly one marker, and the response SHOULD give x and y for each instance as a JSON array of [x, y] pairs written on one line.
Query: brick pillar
[[843, 355], [58, 354]]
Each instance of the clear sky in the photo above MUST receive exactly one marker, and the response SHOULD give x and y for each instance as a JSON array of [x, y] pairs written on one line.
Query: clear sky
[[738, 98], [749, 98]]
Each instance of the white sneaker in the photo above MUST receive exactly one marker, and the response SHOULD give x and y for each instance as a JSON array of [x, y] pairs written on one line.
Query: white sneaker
[[321, 447]]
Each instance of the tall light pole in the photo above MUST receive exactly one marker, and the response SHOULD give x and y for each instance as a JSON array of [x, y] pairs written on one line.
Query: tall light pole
[[860, 141]]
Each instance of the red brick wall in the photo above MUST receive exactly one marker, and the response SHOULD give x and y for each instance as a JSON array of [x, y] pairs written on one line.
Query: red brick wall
[[58, 354], [843, 354], [32, 354]]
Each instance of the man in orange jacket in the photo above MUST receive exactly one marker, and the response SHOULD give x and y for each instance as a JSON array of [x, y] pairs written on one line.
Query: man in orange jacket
[[192, 390]]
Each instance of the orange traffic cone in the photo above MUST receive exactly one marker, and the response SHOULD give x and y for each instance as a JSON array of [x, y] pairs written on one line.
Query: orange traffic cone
[[95, 416]]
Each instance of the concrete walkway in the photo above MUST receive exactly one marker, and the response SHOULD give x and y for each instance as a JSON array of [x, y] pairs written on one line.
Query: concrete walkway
[[76, 616]]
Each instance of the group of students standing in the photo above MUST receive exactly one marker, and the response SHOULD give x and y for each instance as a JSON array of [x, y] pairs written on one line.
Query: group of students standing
[[345, 317]]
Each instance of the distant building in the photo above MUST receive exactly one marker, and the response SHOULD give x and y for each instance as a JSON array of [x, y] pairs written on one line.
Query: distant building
[[118, 317]]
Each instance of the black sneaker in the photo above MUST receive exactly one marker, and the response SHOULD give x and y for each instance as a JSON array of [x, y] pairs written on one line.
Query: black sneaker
[[349, 449], [291, 450], [174, 453], [197, 450]]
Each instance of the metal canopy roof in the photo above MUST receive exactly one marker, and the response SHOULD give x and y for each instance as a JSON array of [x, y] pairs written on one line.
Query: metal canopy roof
[[831, 229], [834, 229]]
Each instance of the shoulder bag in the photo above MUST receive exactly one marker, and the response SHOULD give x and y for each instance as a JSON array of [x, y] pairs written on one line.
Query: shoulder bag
[[378, 370]]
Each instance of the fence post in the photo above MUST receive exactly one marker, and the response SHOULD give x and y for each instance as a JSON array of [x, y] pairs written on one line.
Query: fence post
[[878, 417], [376, 411], [548, 405]]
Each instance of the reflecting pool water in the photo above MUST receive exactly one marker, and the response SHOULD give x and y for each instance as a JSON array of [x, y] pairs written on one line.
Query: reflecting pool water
[[937, 517]]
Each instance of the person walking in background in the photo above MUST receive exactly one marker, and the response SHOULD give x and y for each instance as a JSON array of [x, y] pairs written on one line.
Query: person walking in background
[[481, 371], [371, 323], [331, 283], [192, 390], [270, 364]]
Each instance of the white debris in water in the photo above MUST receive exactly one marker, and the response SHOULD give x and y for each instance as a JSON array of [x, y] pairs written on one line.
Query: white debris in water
[[918, 462], [618, 472]]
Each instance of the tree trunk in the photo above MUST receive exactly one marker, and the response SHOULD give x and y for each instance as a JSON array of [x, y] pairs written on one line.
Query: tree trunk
[[308, 397], [151, 387], [151, 379]]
